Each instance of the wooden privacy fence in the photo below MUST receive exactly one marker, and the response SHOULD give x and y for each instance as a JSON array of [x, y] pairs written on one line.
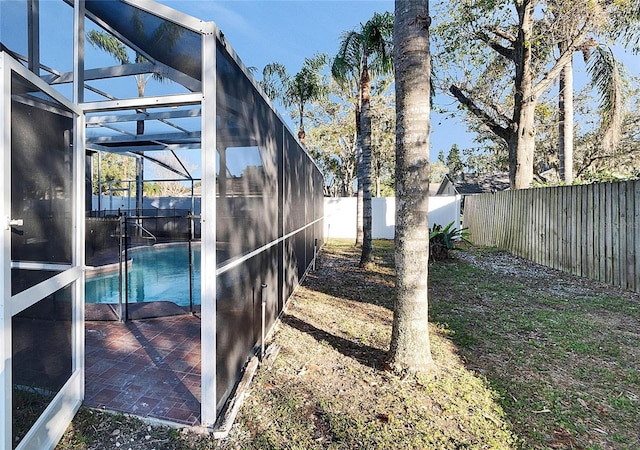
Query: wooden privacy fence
[[590, 230]]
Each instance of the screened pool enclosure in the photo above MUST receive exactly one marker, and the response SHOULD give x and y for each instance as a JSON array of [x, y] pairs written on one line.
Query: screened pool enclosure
[[179, 110]]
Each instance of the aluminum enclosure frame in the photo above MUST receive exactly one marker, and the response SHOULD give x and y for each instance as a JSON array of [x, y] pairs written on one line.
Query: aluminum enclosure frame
[[48, 428], [290, 248]]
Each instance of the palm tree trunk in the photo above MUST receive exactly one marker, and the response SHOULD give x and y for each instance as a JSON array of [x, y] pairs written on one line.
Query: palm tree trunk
[[365, 126], [410, 346], [359, 229], [301, 133], [141, 83], [565, 125]]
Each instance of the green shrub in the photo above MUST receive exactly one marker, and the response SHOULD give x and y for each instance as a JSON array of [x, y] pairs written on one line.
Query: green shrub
[[443, 239]]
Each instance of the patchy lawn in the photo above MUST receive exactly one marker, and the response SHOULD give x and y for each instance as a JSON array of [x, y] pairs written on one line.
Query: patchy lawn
[[526, 357]]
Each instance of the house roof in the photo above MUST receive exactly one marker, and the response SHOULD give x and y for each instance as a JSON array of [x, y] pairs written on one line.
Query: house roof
[[476, 184]]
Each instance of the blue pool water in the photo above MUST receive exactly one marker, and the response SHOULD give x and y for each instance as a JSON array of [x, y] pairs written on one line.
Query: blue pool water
[[156, 274]]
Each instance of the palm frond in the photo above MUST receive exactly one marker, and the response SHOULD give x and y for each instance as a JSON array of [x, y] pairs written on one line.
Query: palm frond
[[109, 44], [348, 61], [606, 78], [317, 62], [274, 80], [626, 25], [378, 32]]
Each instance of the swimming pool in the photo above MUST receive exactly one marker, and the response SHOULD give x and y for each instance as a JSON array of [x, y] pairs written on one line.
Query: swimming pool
[[156, 274]]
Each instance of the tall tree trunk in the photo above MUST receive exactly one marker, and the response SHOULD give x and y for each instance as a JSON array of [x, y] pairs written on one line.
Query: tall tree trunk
[[525, 145], [360, 198], [522, 145], [565, 123], [410, 346], [365, 127], [141, 84], [301, 133], [139, 161]]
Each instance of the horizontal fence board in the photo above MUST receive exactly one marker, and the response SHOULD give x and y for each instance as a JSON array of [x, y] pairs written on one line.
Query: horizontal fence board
[[591, 230]]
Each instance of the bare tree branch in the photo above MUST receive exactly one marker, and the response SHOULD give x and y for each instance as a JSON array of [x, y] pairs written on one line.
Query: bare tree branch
[[503, 132], [502, 50], [503, 34]]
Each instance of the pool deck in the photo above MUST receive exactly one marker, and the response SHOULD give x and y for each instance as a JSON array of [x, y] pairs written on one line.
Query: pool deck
[[149, 368]]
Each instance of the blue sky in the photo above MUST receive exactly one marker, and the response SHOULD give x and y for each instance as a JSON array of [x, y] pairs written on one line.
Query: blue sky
[[288, 31], [264, 31]]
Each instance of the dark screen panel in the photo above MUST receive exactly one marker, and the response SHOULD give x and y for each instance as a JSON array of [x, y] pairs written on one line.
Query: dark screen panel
[[13, 26], [162, 39], [41, 357], [290, 267], [248, 149], [266, 190], [296, 162], [41, 194], [240, 292]]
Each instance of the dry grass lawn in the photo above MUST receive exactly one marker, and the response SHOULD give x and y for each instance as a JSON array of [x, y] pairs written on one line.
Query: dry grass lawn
[[525, 357]]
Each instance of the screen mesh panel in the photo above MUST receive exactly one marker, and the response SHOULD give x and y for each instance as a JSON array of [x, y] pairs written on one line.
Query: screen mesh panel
[[264, 194], [40, 193], [13, 27], [161, 39], [41, 357]]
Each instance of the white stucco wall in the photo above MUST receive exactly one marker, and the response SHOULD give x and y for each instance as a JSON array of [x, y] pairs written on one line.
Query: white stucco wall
[[340, 215]]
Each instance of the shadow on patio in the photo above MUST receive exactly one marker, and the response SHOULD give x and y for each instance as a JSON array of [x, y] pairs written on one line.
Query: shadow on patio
[[149, 368]]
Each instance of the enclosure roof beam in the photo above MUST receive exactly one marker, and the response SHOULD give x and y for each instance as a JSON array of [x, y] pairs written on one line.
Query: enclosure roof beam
[[115, 118], [181, 78], [145, 148], [117, 34], [122, 70], [170, 137], [181, 165], [125, 70], [139, 153], [142, 102], [164, 165], [178, 17]]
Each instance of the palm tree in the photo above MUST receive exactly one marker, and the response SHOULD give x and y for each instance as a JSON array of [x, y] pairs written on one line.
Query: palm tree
[[410, 347], [369, 52], [606, 76], [565, 120], [168, 33], [114, 47], [622, 26], [304, 87], [346, 70]]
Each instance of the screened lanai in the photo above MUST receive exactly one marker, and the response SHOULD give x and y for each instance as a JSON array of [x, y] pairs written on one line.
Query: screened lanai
[[181, 104]]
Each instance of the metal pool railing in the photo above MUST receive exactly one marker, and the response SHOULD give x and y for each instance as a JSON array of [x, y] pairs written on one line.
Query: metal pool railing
[[125, 222]]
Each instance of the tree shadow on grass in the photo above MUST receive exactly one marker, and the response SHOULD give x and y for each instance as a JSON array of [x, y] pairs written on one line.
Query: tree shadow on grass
[[366, 355], [347, 281]]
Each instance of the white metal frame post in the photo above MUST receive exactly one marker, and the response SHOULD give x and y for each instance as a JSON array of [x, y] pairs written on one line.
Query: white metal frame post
[[49, 427], [5, 245], [78, 195], [208, 262]]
